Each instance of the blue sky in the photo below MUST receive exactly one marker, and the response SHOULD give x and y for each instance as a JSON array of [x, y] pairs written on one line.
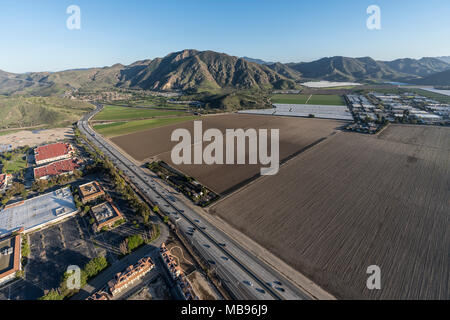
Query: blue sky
[[34, 36]]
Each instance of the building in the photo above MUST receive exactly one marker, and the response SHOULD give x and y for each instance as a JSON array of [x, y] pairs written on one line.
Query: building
[[57, 168], [106, 215], [10, 257], [132, 274], [37, 212], [99, 295], [171, 264], [90, 191], [53, 152], [177, 274], [5, 180]]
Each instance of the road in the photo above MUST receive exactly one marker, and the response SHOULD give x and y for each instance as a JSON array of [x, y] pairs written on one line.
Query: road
[[100, 281], [242, 273]]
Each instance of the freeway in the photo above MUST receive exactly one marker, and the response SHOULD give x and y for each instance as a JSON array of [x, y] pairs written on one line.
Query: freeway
[[244, 275]]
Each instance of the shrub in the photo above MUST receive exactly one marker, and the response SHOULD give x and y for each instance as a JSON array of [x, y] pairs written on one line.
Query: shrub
[[52, 295], [134, 242], [95, 266]]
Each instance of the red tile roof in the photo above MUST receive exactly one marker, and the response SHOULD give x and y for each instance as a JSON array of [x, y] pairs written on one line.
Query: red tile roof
[[51, 151], [130, 274], [57, 168]]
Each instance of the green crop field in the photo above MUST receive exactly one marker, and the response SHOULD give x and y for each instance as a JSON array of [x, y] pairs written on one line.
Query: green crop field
[[121, 128], [127, 113], [290, 98], [331, 99], [334, 100]]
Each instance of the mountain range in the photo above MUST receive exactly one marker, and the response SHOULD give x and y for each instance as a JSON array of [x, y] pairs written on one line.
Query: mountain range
[[209, 71]]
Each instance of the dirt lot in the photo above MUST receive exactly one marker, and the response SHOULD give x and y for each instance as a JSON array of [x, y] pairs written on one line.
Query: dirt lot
[[295, 134], [35, 137], [354, 201], [154, 290], [202, 287]]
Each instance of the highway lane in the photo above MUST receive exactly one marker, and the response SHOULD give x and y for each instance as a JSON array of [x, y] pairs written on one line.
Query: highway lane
[[244, 274]]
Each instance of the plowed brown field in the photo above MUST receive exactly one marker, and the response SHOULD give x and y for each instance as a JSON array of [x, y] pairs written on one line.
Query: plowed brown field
[[295, 135], [354, 201]]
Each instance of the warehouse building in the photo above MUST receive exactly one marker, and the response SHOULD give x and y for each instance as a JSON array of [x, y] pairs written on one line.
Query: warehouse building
[[57, 168], [38, 212], [53, 152]]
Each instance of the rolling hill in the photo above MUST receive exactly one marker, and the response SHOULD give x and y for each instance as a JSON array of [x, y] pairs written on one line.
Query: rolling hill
[[19, 112], [422, 67], [195, 71], [201, 71], [445, 59], [187, 70], [348, 69], [437, 79]]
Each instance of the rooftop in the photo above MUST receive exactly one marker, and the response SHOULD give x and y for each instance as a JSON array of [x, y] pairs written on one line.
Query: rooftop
[[56, 168], [52, 151], [131, 272], [304, 110], [105, 212], [9, 255], [90, 189], [37, 211]]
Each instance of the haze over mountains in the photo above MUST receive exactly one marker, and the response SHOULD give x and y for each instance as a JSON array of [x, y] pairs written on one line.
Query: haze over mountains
[[192, 70]]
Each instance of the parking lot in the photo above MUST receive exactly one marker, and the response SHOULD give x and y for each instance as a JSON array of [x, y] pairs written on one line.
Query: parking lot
[[71, 242]]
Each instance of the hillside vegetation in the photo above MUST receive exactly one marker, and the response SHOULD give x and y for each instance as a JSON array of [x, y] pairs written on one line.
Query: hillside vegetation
[[437, 79], [20, 112], [348, 69], [193, 71]]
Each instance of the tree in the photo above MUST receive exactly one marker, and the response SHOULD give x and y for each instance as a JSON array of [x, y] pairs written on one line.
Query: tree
[[77, 174], [134, 242], [95, 266], [52, 295], [123, 248]]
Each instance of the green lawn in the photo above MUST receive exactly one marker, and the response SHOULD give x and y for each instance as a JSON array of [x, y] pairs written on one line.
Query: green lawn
[[17, 163], [126, 113], [328, 99], [121, 128]]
